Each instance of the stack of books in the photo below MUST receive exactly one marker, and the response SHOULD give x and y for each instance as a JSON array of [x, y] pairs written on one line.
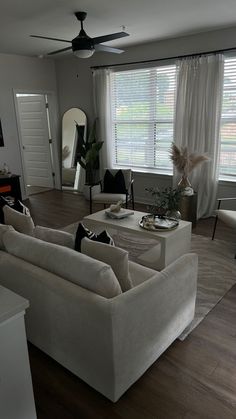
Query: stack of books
[[123, 213]]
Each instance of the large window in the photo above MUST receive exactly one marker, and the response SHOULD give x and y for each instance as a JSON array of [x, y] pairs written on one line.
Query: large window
[[228, 122], [143, 103]]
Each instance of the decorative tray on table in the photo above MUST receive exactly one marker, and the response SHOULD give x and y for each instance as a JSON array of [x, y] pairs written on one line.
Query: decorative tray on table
[[158, 223]]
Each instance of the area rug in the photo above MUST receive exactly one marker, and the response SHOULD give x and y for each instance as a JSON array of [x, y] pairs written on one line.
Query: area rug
[[216, 269]]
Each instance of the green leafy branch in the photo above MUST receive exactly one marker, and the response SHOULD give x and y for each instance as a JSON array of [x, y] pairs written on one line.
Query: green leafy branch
[[167, 199], [88, 148]]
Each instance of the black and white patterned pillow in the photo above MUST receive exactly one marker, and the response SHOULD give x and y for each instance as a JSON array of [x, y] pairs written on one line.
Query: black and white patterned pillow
[[82, 232]]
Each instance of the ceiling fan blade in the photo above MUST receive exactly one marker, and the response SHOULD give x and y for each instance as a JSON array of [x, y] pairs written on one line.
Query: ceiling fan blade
[[59, 50], [106, 38], [52, 39], [105, 48]]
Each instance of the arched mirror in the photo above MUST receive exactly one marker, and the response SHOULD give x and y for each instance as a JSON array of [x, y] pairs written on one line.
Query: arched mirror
[[70, 166]]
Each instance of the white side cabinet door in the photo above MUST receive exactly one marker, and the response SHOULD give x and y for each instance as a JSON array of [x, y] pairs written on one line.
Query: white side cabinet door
[[16, 392]]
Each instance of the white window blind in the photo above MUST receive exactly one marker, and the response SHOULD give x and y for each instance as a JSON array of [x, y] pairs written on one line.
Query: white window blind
[[143, 103], [228, 122]]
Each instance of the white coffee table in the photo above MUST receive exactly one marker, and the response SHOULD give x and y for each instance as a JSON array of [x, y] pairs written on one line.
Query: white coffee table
[[171, 244]]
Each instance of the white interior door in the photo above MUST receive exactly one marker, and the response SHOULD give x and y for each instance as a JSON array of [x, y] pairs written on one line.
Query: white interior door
[[34, 138]]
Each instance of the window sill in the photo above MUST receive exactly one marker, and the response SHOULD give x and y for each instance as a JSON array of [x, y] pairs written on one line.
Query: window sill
[[229, 182], [149, 172]]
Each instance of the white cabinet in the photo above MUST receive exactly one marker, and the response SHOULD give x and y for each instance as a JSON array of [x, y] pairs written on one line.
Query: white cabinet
[[16, 392]]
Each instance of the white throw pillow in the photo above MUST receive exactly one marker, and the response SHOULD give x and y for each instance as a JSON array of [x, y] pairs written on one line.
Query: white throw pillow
[[51, 235], [21, 222], [3, 229], [66, 263], [116, 257]]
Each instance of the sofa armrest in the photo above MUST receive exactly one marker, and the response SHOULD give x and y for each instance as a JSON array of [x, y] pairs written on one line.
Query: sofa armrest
[[149, 317]]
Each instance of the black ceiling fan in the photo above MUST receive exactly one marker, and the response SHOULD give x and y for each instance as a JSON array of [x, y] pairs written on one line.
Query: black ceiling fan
[[82, 45]]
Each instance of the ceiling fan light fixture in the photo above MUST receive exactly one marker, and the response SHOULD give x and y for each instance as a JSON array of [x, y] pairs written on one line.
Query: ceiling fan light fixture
[[84, 53], [83, 46]]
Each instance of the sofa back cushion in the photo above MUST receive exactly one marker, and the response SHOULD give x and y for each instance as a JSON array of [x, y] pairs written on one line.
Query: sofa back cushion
[[114, 256], [51, 235], [21, 222], [66, 263], [3, 229], [12, 203]]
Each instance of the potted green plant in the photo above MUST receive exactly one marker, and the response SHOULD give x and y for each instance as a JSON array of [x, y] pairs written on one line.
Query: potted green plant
[[88, 148], [159, 205], [165, 202], [172, 197]]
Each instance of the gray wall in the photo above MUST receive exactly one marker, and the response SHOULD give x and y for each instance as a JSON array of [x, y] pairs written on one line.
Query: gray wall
[[20, 73], [74, 78]]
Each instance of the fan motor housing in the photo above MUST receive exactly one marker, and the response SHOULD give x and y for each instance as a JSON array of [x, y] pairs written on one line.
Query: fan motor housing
[[82, 43]]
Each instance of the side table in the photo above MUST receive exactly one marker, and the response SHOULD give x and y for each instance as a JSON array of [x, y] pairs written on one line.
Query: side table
[[188, 208], [16, 395]]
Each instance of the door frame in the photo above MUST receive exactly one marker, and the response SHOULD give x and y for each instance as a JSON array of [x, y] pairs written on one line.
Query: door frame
[[54, 127]]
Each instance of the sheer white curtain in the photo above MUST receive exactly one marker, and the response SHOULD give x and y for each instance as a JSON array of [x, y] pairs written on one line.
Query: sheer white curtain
[[102, 109], [197, 121]]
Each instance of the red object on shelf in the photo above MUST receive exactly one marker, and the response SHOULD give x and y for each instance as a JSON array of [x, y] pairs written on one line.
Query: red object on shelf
[[5, 188]]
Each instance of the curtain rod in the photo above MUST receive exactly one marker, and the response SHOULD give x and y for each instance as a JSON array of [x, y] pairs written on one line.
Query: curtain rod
[[166, 58]]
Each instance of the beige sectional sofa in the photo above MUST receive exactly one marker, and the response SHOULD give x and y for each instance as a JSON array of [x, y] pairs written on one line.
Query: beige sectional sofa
[[80, 317]]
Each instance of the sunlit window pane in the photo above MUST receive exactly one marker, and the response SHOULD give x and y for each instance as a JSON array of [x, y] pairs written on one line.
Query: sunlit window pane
[[143, 104]]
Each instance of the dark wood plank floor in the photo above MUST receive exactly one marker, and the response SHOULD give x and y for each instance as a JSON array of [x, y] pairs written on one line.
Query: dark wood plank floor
[[192, 379]]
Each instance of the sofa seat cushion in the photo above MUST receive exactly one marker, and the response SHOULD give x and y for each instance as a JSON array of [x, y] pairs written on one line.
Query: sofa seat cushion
[[114, 256], [139, 273], [66, 263], [21, 222], [51, 235]]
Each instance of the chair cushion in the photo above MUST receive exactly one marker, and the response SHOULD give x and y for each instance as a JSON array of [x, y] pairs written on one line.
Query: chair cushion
[[50, 235], [114, 183], [228, 217], [114, 256], [66, 263], [82, 232], [21, 222]]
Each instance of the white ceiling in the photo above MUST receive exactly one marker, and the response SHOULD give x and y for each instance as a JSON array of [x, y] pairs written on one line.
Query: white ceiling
[[145, 21]]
